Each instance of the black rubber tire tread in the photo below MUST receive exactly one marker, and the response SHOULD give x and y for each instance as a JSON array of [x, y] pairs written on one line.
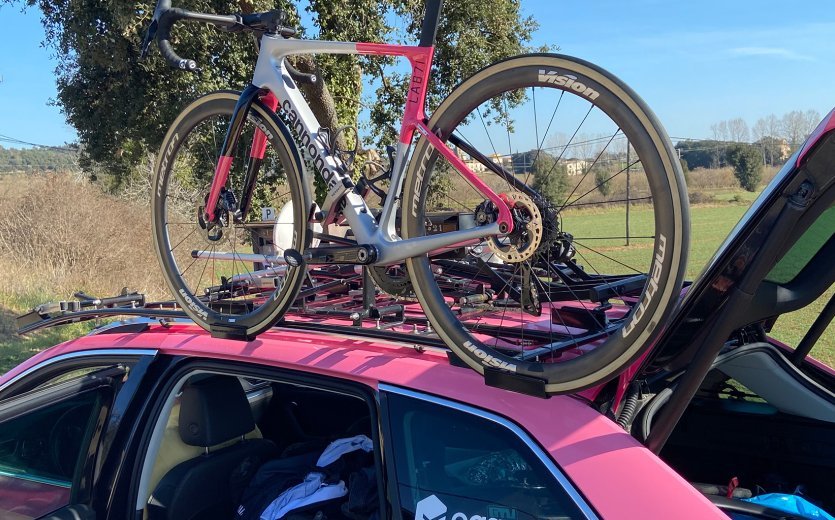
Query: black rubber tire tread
[[669, 191], [266, 315]]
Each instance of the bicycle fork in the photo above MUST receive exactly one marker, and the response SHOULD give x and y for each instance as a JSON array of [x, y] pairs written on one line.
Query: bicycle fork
[[230, 142]]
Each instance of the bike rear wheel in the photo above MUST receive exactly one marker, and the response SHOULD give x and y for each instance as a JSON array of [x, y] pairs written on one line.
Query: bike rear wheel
[[563, 299], [207, 264]]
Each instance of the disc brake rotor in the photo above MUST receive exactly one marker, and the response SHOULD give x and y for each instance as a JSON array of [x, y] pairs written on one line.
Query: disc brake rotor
[[524, 240], [212, 232]]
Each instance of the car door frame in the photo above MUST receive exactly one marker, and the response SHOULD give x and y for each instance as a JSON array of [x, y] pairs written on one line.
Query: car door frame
[[176, 368], [127, 403]]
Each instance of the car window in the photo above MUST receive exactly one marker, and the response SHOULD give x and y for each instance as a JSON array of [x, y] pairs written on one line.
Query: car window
[[718, 385], [73, 374], [51, 374], [451, 463], [790, 328], [42, 451], [806, 247]]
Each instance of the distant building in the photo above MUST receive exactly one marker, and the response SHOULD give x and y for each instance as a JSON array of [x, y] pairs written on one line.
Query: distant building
[[472, 164], [575, 166], [502, 160], [785, 149]]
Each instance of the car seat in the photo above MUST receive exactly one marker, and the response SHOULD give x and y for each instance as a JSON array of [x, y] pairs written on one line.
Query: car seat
[[213, 411]]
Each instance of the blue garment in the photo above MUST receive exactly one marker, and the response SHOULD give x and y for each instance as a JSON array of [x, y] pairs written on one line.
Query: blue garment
[[791, 504]]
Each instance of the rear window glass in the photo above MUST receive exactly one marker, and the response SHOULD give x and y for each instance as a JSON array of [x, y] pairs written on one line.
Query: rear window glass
[[804, 249]]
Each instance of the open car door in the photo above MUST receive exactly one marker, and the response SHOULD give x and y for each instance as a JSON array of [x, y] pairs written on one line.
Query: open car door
[[49, 445]]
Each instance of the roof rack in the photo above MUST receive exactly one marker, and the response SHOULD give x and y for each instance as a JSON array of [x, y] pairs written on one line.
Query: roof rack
[[85, 308]]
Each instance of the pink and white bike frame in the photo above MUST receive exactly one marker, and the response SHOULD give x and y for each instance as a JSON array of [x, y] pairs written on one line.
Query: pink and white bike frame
[[272, 76]]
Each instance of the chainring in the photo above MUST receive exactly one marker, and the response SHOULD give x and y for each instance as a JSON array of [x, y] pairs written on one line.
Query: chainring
[[393, 280]]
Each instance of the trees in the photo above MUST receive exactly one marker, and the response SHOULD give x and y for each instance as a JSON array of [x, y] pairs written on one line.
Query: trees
[[768, 126], [746, 161], [720, 131], [773, 149], [121, 106], [549, 178], [797, 125], [701, 154], [793, 127], [738, 130]]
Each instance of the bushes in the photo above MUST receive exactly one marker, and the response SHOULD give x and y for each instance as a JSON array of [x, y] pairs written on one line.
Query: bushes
[[61, 235], [700, 197]]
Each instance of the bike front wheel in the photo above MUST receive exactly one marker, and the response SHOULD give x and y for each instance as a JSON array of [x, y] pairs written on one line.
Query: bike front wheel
[[579, 289], [211, 267]]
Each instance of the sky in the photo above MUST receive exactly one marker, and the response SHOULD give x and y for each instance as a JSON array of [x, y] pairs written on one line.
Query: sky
[[694, 62]]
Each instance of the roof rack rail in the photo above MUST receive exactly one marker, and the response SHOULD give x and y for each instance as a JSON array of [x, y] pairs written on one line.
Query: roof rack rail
[[87, 307], [134, 304]]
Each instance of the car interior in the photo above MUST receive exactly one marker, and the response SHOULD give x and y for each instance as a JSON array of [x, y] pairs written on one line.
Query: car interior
[[758, 419], [235, 428], [764, 416]]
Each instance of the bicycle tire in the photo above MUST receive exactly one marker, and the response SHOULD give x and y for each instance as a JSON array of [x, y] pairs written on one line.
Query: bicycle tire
[[232, 302], [563, 78]]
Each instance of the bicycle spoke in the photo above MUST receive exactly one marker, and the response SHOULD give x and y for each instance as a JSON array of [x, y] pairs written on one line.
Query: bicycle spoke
[[607, 257], [588, 170], [598, 186]]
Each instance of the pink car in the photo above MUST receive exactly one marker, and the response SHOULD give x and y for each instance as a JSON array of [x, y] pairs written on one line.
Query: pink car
[[322, 417]]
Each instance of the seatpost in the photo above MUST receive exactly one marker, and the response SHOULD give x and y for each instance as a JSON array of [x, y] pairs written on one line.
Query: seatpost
[[429, 29]]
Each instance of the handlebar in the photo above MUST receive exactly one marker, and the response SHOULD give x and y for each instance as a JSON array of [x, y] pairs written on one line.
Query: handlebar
[[166, 21], [165, 17]]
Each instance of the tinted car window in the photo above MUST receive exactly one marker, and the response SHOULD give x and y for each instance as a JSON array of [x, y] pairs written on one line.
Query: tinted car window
[[40, 452], [450, 461]]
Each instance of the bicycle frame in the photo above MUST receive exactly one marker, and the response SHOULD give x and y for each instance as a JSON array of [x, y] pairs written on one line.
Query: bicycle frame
[[274, 85]]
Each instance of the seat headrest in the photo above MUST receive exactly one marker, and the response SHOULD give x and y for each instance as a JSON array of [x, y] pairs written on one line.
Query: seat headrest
[[214, 410]]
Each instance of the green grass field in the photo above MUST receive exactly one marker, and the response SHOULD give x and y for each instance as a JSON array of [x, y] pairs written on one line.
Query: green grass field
[[14, 348], [710, 225]]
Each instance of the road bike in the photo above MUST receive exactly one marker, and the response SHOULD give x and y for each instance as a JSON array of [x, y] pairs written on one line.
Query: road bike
[[495, 213]]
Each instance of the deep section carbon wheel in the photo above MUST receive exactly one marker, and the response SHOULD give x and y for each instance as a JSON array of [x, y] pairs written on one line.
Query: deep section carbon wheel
[[595, 262], [208, 263]]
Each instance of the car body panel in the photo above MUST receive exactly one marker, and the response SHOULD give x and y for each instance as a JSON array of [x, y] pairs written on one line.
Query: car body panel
[[41, 497]]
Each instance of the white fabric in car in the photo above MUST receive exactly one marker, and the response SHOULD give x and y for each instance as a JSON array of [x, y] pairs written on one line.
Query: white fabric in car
[[340, 447], [314, 489]]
